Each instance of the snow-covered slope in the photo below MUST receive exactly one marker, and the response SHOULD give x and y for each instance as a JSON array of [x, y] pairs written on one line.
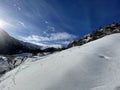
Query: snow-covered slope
[[93, 66]]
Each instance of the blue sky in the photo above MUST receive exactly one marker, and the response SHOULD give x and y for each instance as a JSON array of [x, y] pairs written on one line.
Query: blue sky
[[56, 21]]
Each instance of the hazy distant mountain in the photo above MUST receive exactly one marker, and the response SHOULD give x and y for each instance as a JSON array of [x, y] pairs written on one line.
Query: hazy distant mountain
[[10, 45], [110, 29]]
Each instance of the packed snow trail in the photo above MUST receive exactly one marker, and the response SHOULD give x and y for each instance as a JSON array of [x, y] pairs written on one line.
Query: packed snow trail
[[93, 66]]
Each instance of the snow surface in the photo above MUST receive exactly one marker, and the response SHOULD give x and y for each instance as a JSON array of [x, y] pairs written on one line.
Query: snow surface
[[93, 66]]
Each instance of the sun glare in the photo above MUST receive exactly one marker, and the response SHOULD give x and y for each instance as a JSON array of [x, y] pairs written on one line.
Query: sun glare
[[2, 24]]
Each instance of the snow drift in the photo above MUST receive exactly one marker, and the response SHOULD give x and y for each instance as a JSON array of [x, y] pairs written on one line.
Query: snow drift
[[93, 66]]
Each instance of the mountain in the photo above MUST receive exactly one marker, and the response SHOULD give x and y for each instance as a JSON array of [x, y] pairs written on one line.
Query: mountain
[[110, 29], [93, 66], [10, 45]]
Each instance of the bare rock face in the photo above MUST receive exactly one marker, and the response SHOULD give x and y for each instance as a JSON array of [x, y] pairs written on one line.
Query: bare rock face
[[110, 29]]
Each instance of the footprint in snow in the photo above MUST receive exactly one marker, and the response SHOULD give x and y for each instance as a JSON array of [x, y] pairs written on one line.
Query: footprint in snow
[[104, 57]]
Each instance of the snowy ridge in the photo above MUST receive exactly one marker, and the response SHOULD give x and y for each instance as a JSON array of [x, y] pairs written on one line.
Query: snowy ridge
[[93, 66], [97, 34]]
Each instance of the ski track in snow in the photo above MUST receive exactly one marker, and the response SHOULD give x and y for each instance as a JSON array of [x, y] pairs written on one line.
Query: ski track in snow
[[22, 67]]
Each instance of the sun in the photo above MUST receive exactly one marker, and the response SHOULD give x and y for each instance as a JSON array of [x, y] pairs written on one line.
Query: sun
[[3, 24]]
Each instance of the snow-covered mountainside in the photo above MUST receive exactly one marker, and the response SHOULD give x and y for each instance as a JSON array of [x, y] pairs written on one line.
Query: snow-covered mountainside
[[93, 66]]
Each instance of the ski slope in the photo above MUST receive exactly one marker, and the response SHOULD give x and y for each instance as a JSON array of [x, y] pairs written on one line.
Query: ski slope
[[93, 66]]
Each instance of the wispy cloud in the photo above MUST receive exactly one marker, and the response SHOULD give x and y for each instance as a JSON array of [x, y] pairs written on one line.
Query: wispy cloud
[[21, 23], [61, 36], [53, 38]]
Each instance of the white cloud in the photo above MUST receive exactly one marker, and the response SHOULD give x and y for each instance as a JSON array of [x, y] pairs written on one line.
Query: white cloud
[[36, 38], [61, 36], [21, 23], [52, 37], [19, 8], [46, 22], [50, 28]]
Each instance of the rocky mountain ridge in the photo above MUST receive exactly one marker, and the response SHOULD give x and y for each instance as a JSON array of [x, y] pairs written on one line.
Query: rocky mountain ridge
[[110, 29]]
